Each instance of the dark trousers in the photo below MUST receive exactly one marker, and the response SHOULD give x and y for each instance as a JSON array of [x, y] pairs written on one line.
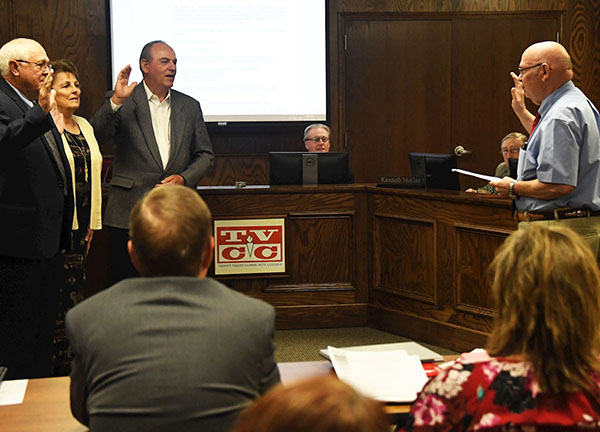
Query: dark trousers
[[28, 307], [119, 263]]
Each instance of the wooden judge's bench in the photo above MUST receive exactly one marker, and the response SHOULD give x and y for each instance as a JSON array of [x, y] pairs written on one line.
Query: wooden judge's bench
[[408, 261]]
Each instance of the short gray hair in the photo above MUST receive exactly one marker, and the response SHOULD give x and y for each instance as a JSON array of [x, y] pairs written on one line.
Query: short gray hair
[[516, 135], [14, 49], [314, 126]]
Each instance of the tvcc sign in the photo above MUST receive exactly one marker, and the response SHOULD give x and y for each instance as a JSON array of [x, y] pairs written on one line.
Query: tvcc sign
[[237, 244]]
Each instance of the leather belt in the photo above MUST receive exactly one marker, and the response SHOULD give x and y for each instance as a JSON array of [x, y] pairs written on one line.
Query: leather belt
[[554, 214]]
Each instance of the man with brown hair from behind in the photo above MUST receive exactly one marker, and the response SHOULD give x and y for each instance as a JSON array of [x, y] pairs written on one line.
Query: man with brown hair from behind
[[172, 349], [320, 404]]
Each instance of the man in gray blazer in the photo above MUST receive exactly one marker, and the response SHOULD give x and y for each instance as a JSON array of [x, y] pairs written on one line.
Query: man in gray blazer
[[171, 350], [159, 138]]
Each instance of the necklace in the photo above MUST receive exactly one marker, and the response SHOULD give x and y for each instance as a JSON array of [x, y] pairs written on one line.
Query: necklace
[[78, 141]]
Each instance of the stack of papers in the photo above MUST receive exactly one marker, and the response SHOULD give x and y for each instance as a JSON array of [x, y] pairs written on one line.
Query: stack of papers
[[389, 376], [412, 348]]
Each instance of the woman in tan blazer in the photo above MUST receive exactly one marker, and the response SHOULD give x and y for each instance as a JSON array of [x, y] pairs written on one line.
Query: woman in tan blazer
[[85, 160]]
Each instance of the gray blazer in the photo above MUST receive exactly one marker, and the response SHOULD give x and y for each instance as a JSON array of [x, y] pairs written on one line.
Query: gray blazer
[[168, 354], [137, 165]]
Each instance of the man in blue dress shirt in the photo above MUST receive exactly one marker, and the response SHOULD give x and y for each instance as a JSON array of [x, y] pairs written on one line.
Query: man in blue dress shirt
[[559, 168]]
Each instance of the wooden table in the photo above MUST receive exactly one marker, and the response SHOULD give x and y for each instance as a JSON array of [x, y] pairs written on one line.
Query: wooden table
[[44, 409], [46, 404]]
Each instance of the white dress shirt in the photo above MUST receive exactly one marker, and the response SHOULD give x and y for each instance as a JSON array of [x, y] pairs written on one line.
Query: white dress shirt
[[160, 112], [21, 95]]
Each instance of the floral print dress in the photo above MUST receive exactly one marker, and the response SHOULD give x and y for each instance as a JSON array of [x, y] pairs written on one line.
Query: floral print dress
[[483, 393]]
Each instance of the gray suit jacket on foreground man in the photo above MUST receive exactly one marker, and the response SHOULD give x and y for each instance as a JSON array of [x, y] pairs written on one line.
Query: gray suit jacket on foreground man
[[169, 354]]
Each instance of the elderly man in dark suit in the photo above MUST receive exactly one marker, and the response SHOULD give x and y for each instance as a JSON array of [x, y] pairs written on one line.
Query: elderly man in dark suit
[[36, 209], [159, 138], [172, 350]]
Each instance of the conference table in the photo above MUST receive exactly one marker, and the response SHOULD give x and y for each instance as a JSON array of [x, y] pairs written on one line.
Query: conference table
[[45, 407]]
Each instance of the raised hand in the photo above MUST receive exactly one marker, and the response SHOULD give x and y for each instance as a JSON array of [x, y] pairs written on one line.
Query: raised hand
[[59, 119], [46, 94], [122, 87], [518, 103], [518, 95]]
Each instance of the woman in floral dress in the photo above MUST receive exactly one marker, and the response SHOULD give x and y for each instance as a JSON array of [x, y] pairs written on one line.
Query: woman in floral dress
[[540, 371]]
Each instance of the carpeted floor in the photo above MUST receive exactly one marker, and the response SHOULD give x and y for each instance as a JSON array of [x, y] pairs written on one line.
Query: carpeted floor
[[304, 345]]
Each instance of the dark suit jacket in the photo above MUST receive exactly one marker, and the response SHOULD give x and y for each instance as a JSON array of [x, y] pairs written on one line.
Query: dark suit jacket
[[32, 200], [168, 354], [137, 165]]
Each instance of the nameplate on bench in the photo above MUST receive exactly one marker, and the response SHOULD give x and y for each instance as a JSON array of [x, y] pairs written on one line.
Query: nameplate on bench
[[401, 182]]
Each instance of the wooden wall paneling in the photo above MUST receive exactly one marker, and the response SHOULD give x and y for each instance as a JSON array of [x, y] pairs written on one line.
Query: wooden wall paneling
[[326, 316], [485, 48], [451, 260], [443, 315], [228, 169], [278, 200], [448, 6], [447, 207], [318, 288], [405, 257], [73, 29], [320, 250], [255, 139], [7, 31], [396, 92], [394, 6], [445, 253], [422, 328], [582, 40], [362, 247], [475, 250], [305, 297], [334, 97]]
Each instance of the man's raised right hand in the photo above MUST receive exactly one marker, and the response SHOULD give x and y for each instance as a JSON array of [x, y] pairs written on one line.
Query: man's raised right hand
[[122, 87]]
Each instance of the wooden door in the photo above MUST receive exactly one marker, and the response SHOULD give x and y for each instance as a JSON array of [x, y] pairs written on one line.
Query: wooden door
[[397, 93], [429, 85], [485, 50]]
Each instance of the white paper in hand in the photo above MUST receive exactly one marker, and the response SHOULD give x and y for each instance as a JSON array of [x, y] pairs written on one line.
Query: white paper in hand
[[473, 174]]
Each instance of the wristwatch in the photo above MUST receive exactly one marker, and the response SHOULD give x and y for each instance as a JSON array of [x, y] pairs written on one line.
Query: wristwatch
[[511, 190]]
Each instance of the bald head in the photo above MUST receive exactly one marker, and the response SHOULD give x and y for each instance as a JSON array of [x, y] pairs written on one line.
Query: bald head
[[552, 53], [546, 67]]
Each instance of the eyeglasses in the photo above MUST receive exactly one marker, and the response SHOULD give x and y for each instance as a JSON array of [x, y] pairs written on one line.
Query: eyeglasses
[[512, 150], [317, 139], [43, 65], [521, 70]]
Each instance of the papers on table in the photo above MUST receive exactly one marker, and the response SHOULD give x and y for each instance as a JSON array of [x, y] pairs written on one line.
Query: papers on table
[[13, 392], [473, 174], [390, 376], [412, 348]]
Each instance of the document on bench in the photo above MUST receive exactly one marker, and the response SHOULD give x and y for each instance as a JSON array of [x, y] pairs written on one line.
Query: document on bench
[[389, 376], [474, 174]]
